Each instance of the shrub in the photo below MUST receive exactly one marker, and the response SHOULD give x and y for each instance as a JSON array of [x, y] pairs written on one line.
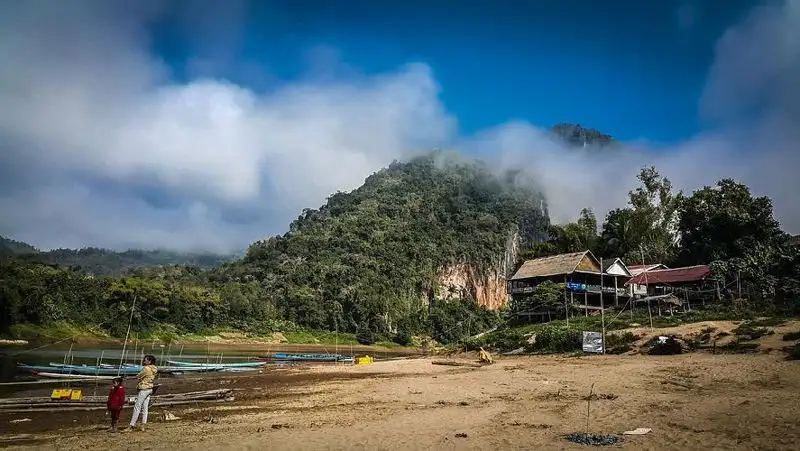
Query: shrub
[[791, 336], [619, 343], [557, 339], [748, 332], [402, 337], [793, 352]]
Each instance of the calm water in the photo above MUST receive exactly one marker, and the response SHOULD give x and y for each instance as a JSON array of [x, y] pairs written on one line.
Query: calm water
[[112, 354]]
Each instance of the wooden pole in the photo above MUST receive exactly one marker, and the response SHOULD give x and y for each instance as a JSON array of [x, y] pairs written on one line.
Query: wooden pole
[[566, 302], [588, 407], [602, 308], [127, 335], [586, 302], [571, 298]]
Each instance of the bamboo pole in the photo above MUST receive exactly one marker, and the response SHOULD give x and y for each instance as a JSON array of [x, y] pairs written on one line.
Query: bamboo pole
[[127, 334]]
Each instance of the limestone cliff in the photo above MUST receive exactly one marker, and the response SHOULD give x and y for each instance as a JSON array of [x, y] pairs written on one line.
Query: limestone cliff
[[485, 282]]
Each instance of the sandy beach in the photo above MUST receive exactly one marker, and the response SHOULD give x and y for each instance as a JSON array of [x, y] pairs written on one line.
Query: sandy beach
[[690, 401]]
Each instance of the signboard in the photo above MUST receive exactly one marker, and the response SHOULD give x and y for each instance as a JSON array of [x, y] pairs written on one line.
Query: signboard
[[573, 286], [593, 342]]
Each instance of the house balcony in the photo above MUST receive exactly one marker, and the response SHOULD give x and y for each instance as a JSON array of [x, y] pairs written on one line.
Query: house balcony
[[578, 288]]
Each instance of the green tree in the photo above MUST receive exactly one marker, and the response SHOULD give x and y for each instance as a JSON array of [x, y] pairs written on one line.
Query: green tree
[[725, 222], [647, 228], [575, 236], [547, 295]]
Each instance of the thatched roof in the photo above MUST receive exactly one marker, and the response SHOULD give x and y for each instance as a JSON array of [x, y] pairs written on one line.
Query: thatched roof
[[554, 265]]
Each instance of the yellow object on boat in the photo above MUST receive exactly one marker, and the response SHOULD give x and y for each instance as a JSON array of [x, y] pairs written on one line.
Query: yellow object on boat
[[366, 360], [71, 394]]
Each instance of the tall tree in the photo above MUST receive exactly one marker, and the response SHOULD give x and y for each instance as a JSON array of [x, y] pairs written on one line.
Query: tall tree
[[576, 236], [725, 222], [622, 234], [646, 230]]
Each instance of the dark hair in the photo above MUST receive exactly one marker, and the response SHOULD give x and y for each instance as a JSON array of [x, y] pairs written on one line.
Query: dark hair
[[150, 358], [118, 379]]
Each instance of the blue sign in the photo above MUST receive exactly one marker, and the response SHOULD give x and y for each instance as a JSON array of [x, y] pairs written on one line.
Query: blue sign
[[573, 286]]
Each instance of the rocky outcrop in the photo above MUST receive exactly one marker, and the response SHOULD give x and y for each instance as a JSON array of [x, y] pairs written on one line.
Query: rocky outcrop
[[485, 283]]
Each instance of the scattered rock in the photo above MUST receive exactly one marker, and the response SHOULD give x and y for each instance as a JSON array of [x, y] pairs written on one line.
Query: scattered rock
[[461, 435], [169, 416], [606, 396]]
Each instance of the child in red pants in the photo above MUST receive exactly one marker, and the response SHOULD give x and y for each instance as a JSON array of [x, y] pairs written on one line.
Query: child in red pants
[[116, 399]]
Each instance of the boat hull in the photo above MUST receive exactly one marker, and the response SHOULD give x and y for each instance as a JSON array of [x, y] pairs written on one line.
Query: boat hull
[[307, 357], [73, 376], [212, 365]]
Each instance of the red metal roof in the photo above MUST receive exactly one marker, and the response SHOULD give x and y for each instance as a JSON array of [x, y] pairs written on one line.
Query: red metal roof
[[667, 276], [642, 266]]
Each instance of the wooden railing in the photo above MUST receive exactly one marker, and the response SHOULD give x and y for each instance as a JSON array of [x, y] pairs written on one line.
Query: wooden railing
[[594, 289]]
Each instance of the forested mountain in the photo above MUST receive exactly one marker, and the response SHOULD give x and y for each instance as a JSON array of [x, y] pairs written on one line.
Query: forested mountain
[[577, 135], [12, 247], [376, 261], [367, 261], [107, 262]]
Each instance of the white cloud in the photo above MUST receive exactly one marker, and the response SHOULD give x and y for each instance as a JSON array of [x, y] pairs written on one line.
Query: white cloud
[[98, 106], [91, 125], [753, 98]]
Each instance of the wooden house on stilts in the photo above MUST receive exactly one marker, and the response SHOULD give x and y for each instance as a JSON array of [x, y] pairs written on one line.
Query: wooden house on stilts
[[583, 277]]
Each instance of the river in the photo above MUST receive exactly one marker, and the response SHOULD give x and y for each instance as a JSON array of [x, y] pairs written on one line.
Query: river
[[111, 353]]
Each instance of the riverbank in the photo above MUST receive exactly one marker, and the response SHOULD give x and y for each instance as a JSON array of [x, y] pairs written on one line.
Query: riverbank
[[42, 335], [691, 401]]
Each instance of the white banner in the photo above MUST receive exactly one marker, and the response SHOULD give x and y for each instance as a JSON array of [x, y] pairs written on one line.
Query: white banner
[[593, 342]]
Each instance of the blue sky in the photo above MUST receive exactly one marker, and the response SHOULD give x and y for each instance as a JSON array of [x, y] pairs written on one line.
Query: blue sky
[[634, 69], [208, 124]]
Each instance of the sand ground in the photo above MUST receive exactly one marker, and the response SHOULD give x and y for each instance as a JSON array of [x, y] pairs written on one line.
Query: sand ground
[[691, 401]]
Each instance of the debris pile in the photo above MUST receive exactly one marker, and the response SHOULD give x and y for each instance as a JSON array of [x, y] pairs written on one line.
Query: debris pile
[[594, 439]]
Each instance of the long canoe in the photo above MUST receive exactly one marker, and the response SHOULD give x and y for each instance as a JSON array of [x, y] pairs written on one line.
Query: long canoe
[[306, 357], [123, 371], [223, 365], [73, 376], [87, 370], [130, 367]]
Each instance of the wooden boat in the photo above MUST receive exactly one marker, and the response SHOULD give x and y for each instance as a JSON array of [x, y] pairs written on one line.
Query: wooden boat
[[77, 369], [73, 376], [223, 365], [306, 357], [90, 370]]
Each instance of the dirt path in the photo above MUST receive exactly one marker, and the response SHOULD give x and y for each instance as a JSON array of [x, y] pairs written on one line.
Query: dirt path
[[696, 401]]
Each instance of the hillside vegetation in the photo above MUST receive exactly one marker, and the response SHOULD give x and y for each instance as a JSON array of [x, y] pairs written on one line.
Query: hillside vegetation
[[370, 262], [366, 262], [106, 262]]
